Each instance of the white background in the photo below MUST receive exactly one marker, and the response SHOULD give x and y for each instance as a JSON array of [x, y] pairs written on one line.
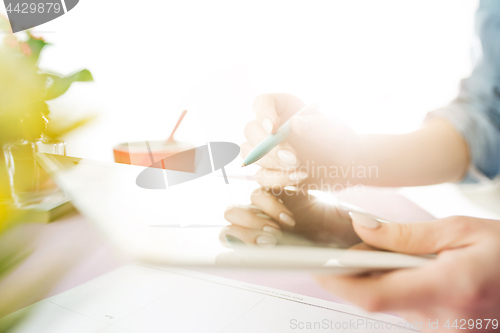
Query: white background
[[380, 65]]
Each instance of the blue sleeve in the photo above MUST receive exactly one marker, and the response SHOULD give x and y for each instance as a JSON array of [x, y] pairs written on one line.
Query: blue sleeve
[[475, 113]]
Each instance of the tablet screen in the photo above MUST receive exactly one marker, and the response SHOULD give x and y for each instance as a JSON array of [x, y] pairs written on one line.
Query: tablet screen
[[184, 224]]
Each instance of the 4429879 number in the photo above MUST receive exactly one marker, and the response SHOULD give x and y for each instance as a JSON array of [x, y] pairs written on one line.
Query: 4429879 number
[[34, 7], [477, 324]]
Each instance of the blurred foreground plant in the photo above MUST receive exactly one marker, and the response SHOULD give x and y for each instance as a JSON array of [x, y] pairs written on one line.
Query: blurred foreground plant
[[24, 92], [25, 88], [24, 116]]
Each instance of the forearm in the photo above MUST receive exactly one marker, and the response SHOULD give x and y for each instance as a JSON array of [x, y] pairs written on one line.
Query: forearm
[[434, 154]]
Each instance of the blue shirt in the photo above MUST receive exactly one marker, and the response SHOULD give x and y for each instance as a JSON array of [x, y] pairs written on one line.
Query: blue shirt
[[475, 113]]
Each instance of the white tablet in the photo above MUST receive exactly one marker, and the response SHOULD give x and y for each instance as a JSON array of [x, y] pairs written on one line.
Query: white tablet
[[181, 225]]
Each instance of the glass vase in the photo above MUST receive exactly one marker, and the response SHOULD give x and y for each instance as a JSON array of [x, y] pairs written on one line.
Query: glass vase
[[30, 185]]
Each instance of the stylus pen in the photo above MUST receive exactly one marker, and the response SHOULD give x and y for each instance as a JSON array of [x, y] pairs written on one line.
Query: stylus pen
[[273, 139]]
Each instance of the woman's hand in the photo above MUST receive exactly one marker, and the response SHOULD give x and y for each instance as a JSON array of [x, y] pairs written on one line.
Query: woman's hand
[[293, 211], [315, 142], [462, 284], [322, 153]]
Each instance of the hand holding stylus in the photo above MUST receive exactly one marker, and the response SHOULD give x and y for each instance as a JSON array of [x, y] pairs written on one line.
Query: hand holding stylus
[[314, 140]]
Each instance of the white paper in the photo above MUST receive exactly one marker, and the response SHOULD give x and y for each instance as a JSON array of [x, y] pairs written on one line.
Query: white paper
[[137, 298]]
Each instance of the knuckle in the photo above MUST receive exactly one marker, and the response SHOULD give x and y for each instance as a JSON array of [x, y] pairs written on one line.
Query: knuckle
[[245, 220], [472, 295], [471, 292], [257, 194], [454, 220], [474, 298], [461, 225], [373, 303], [403, 239]]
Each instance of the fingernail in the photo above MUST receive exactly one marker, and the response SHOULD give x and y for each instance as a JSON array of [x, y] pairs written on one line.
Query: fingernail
[[268, 125], [266, 240], [287, 157], [232, 240], [264, 216], [272, 230], [287, 219], [301, 122], [364, 221], [297, 176], [253, 208]]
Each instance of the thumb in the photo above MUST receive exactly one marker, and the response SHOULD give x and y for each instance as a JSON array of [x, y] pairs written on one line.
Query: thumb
[[415, 238]]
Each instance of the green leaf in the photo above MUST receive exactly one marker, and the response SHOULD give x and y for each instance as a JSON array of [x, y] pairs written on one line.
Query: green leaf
[[36, 45], [59, 127], [59, 85]]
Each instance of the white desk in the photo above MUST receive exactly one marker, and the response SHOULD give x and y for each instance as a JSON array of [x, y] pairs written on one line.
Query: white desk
[[449, 199]]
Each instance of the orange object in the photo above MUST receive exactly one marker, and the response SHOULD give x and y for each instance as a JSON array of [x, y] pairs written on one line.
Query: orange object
[[147, 153]]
